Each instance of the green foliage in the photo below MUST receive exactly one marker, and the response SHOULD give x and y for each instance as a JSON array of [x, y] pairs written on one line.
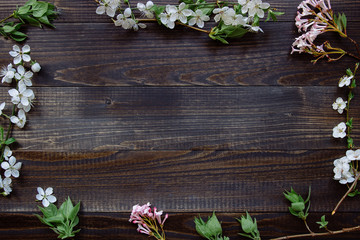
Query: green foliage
[[222, 31], [273, 15], [340, 22], [298, 204], [249, 226], [33, 12], [211, 229], [63, 220], [354, 193], [323, 223]]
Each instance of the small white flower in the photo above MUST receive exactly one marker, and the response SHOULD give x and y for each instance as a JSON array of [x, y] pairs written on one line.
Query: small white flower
[[23, 95], [339, 105], [339, 131], [125, 21], [255, 29], [23, 76], [2, 106], [20, 120], [220, 13], [342, 172], [353, 155], [36, 67], [181, 13], [108, 6], [345, 80], [45, 196], [146, 9], [7, 153], [8, 73], [253, 7], [20, 55], [5, 184], [165, 18], [199, 18], [11, 168]]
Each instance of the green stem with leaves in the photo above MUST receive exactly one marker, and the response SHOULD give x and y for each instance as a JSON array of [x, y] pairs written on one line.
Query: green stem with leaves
[[10, 16]]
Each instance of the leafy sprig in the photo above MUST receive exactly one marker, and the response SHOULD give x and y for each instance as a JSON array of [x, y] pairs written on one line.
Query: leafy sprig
[[211, 229], [63, 220], [33, 12], [249, 226]]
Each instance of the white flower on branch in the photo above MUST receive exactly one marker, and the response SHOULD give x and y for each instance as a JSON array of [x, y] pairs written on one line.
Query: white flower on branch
[[7, 153], [107, 6], [23, 95], [339, 131], [11, 168], [19, 120], [36, 67], [253, 7], [8, 73], [342, 171], [146, 9], [179, 13], [353, 155], [2, 106], [24, 77], [220, 13], [20, 55], [6, 185], [339, 105], [45, 196], [345, 80], [199, 18]]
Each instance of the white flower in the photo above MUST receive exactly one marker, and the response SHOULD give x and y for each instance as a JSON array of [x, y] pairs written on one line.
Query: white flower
[[8, 73], [339, 105], [108, 6], [253, 7], [345, 80], [165, 18], [2, 106], [7, 153], [127, 22], [36, 67], [11, 168], [20, 55], [5, 184], [231, 18], [23, 76], [20, 120], [339, 131], [23, 95], [255, 29], [353, 155], [146, 9], [181, 13], [342, 171], [220, 13], [199, 18], [45, 196]]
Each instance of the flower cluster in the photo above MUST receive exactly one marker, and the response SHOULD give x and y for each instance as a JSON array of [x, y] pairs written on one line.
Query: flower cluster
[[148, 220], [313, 18], [21, 98], [345, 168], [233, 21]]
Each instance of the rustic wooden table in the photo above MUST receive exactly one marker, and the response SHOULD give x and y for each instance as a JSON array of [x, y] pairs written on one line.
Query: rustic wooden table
[[181, 121]]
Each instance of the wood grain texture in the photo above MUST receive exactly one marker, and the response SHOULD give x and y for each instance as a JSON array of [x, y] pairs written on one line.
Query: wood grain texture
[[180, 120], [89, 54], [172, 118], [180, 226], [188, 181]]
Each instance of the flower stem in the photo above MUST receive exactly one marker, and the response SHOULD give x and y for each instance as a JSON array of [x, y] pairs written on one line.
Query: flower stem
[[344, 230], [307, 227], [1, 21], [195, 28], [345, 195]]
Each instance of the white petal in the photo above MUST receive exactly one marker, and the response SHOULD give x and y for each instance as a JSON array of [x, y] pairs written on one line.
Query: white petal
[[14, 119], [149, 4], [264, 5], [16, 48], [1, 108], [7, 173], [45, 202], [41, 191], [51, 198], [192, 21], [49, 191], [26, 49], [26, 57], [21, 70], [200, 23], [17, 59], [183, 18], [127, 12], [15, 173], [12, 161], [5, 165], [110, 12], [39, 197], [25, 101], [18, 165], [100, 10]]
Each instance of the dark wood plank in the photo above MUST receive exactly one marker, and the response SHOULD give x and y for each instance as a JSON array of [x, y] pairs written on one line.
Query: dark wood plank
[[102, 55], [188, 181], [84, 10], [172, 118], [179, 226]]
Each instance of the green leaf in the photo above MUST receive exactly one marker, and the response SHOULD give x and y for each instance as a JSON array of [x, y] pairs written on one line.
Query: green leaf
[[343, 21], [49, 211], [354, 193], [30, 2], [10, 141], [298, 206], [42, 220], [59, 218], [30, 20], [350, 142], [23, 9], [322, 223], [74, 212], [8, 29], [351, 95], [349, 72], [237, 32], [39, 9]]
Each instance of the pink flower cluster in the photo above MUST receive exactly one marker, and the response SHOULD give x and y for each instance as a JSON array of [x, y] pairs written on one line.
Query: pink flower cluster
[[312, 19], [147, 219]]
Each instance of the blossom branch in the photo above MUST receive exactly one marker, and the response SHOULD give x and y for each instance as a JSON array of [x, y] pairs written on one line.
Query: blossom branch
[[344, 230]]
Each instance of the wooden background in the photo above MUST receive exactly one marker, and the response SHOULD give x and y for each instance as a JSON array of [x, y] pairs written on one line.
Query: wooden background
[[177, 119]]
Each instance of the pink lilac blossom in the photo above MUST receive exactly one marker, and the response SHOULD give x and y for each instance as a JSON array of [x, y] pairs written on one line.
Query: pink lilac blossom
[[143, 215], [312, 19]]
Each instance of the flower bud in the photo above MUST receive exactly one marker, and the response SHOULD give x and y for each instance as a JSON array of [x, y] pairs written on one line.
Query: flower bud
[[36, 67]]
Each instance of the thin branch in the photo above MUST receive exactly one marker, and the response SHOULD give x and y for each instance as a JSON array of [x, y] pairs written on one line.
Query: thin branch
[[7, 18], [345, 195], [344, 230]]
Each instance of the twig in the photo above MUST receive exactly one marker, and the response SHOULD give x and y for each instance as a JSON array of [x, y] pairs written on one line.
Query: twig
[[344, 230], [345, 195]]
